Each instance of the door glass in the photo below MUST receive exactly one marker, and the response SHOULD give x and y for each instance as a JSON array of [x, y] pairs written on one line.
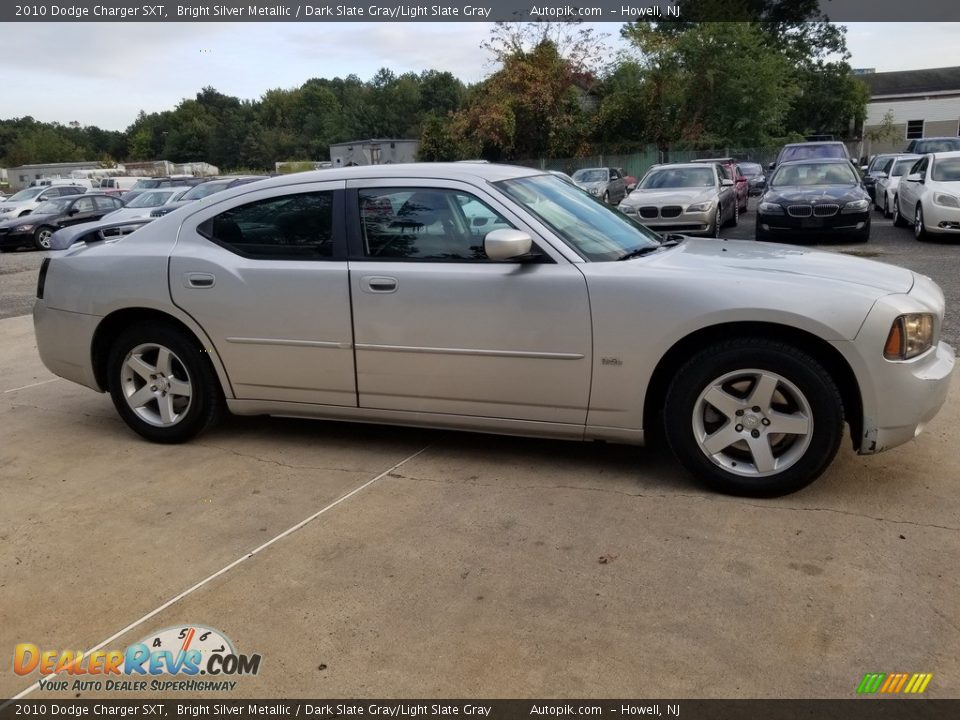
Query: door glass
[[425, 224]]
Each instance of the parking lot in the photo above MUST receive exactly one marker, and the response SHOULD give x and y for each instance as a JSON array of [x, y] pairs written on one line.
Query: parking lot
[[365, 561]]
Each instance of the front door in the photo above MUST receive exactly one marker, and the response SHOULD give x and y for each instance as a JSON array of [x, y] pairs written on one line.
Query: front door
[[439, 328]]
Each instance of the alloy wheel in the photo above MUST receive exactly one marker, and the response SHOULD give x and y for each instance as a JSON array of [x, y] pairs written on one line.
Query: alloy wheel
[[156, 385]]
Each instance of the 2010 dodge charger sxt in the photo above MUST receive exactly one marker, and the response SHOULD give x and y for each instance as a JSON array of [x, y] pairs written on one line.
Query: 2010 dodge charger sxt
[[495, 299]]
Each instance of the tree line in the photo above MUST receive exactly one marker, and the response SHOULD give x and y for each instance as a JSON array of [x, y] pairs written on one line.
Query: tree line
[[554, 91]]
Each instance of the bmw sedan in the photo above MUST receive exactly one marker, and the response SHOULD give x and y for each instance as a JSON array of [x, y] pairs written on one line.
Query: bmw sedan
[[34, 229], [811, 198], [691, 198], [369, 294]]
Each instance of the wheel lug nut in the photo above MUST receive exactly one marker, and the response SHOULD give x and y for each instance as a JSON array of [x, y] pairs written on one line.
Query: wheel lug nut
[[756, 408], [755, 433], [765, 421], [153, 387], [739, 413], [739, 428]]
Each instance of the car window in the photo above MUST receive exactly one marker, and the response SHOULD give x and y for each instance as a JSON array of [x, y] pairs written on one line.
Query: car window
[[669, 178], [54, 206], [946, 169], [83, 205], [812, 152], [614, 175], [288, 227], [920, 167], [939, 145], [902, 166], [426, 224], [885, 166], [590, 175], [105, 203], [814, 174]]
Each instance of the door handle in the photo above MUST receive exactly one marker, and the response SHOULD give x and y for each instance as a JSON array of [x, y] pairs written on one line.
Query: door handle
[[378, 284], [199, 280]]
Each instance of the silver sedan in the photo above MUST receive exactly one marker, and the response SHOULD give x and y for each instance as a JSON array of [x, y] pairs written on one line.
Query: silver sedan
[[494, 299]]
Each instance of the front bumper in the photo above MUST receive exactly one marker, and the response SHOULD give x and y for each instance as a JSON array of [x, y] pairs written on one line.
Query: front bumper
[[687, 222], [15, 238], [941, 220], [839, 223]]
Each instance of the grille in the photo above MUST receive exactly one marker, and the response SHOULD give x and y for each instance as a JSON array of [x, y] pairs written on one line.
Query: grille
[[671, 211], [825, 210], [800, 211], [648, 212]]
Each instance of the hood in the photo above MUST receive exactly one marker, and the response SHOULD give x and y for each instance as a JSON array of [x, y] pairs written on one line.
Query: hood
[[814, 193], [781, 261], [129, 213], [30, 219], [598, 185], [19, 205], [670, 196]]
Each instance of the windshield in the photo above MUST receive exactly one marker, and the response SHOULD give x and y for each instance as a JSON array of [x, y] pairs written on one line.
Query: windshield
[[591, 175], [751, 169], [594, 230], [53, 207], [941, 145], [146, 184], [28, 194], [946, 169], [811, 152], [204, 189], [678, 178], [151, 199], [902, 167], [814, 174]]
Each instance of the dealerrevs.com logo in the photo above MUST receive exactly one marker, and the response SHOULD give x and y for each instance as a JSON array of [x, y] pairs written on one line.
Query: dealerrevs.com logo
[[181, 653], [893, 683]]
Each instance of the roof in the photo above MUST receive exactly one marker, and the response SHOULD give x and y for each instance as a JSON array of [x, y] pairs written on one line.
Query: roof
[[911, 82], [91, 163], [375, 140]]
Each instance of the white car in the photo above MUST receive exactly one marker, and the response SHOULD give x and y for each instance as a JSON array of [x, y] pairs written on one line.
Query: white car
[[496, 299], [929, 196], [27, 200], [141, 206], [888, 181]]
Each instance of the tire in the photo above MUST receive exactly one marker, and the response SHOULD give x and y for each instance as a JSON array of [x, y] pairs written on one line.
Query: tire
[[132, 357], [919, 230], [886, 208], [760, 235], [606, 198], [898, 220], [862, 236], [735, 220], [714, 230], [746, 203], [41, 237], [795, 392]]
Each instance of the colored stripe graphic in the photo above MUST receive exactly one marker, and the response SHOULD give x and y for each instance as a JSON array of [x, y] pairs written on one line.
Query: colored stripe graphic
[[894, 683], [871, 682]]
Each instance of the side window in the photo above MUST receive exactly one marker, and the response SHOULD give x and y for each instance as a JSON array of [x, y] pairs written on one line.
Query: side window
[[83, 205], [614, 175], [289, 227], [106, 204], [425, 224]]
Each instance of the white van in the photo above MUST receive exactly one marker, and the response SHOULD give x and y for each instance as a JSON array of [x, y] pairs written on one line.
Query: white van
[[48, 182], [117, 185]]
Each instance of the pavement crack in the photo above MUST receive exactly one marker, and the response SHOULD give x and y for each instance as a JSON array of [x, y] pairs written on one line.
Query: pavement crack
[[688, 496], [269, 461]]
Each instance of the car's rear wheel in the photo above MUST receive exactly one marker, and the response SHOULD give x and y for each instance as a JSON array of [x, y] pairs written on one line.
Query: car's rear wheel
[[754, 417], [41, 237], [162, 385], [898, 220], [919, 229]]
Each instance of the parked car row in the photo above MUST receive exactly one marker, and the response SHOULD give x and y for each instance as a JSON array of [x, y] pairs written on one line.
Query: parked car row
[[927, 196], [31, 216]]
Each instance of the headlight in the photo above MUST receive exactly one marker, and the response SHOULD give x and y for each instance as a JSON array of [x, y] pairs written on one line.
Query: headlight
[[946, 200], [701, 207], [770, 209], [628, 209], [856, 206], [910, 335], [25, 228]]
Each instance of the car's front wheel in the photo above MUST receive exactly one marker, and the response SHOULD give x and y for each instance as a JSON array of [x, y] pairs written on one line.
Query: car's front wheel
[[162, 385], [919, 229], [754, 417], [41, 237]]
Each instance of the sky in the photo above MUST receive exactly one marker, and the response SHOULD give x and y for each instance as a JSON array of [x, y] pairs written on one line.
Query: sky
[[105, 73]]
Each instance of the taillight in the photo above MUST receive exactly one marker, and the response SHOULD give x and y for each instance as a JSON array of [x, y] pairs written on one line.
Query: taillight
[[42, 277]]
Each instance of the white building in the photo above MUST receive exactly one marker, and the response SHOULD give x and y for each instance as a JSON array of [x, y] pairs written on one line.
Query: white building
[[922, 103], [374, 152]]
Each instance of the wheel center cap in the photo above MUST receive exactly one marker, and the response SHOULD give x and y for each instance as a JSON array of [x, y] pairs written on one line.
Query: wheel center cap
[[162, 384], [751, 421]]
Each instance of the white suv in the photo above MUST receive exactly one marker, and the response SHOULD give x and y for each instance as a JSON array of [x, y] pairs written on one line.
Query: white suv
[[27, 200]]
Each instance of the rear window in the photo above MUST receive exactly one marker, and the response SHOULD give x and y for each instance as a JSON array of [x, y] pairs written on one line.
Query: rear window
[[940, 145], [812, 152]]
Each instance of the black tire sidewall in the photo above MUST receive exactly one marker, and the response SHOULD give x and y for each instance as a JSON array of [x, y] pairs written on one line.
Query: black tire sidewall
[[206, 399], [798, 367]]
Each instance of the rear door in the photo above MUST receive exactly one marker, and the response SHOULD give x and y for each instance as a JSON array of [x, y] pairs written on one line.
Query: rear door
[[440, 328], [265, 275]]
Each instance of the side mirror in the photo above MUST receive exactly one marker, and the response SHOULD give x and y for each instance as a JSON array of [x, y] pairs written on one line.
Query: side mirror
[[478, 221], [73, 211], [726, 182], [42, 198], [501, 245], [915, 177], [863, 168], [772, 166]]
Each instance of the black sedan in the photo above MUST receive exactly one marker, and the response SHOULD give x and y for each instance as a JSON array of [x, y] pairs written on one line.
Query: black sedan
[[35, 229], [814, 197]]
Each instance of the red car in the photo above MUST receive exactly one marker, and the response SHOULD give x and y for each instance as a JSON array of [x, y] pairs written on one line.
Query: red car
[[732, 171]]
